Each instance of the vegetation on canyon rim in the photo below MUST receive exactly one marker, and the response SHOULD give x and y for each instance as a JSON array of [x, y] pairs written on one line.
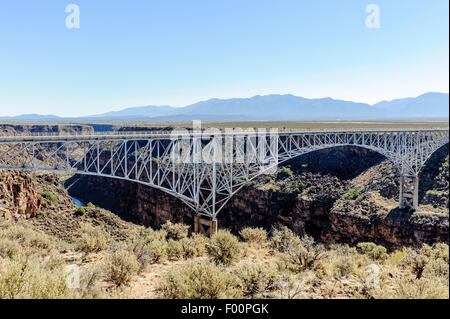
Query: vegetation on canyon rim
[[281, 265]]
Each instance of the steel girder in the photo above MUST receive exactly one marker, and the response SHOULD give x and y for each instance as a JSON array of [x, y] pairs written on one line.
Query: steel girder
[[205, 171]]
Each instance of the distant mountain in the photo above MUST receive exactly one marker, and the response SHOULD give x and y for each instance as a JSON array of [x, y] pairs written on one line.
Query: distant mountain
[[274, 107], [31, 117], [427, 105], [281, 107], [146, 111], [289, 107]]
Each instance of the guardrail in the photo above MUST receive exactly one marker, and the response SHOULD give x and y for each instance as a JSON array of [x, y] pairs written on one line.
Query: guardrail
[[168, 132]]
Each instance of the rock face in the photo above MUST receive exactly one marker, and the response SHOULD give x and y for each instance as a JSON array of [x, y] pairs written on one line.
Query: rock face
[[18, 196], [321, 209], [393, 230]]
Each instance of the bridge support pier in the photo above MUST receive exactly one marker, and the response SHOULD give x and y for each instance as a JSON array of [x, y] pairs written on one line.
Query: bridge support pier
[[205, 226], [409, 192]]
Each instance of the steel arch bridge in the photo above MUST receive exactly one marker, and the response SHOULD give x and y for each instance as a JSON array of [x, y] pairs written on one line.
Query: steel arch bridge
[[205, 169]]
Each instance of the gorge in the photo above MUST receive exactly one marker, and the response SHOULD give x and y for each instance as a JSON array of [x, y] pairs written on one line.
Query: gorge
[[314, 199], [338, 195]]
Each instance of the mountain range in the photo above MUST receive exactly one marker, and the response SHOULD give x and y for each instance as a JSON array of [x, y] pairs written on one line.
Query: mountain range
[[431, 105]]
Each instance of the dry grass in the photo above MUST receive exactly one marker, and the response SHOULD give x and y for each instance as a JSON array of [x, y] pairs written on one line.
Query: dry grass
[[148, 265]]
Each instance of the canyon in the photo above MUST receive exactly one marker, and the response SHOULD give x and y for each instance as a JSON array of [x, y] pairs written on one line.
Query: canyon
[[319, 209], [340, 195]]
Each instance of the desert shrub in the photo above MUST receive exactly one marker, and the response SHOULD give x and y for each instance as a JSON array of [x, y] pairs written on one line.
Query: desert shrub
[[121, 266], [224, 247], [80, 211], [28, 279], [353, 194], [88, 283], [342, 266], [440, 251], [49, 196], [417, 259], [29, 239], [194, 246], [254, 235], [54, 261], [257, 279], [424, 288], [174, 249], [303, 256], [284, 172], [437, 268], [148, 235], [157, 250], [283, 238], [200, 281], [9, 248], [341, 249], [149, 252], [300, 186], [289, 287], [92, 239], [175, 231], [395, 258], [429, 262], [372, 250]]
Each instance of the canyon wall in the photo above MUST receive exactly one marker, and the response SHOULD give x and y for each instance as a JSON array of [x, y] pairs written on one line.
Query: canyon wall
[[18, 196]]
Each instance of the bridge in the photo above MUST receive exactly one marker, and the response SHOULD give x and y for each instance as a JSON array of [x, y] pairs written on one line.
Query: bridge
[[205, 168]]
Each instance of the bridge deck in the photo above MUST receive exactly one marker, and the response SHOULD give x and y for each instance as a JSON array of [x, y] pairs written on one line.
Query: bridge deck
[[146, 135]]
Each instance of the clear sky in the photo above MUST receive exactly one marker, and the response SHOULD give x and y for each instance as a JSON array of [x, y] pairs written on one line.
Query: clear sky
[[168, 52]]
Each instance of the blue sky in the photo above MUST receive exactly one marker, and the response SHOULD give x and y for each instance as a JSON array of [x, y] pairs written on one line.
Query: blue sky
[[167, 52]]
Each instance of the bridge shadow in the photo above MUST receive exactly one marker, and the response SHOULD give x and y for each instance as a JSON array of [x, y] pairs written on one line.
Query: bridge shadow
[[344, 162], [431, 170], [399, 214]]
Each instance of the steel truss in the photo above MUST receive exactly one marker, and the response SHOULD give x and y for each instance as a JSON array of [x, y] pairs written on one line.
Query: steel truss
[[205, 171]]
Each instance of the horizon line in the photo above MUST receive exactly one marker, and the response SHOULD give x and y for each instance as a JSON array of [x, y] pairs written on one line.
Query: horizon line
[[222, 99]]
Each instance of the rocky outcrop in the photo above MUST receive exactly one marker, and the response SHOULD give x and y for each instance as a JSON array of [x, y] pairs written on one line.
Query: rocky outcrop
[[18, 196], [393, 229]]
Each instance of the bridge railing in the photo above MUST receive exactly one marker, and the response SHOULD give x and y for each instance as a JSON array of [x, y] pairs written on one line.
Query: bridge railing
[[168, 132]]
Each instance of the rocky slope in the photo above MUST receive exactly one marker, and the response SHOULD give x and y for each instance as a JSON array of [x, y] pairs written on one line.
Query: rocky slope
[[42, 200]]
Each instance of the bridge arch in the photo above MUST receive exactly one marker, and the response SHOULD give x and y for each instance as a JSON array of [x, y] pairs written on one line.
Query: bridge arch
[[204, 187], [270, 168], [403, 158]]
